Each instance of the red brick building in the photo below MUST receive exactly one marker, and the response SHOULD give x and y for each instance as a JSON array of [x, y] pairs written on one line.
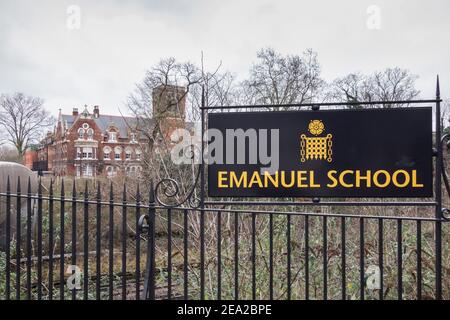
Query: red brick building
[[88, 144]]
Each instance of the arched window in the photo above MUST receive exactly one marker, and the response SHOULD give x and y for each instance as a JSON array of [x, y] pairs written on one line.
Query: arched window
[[138, 154], [118, 153], [90, 134], [112, 136], [128, 152], [80, 133], [107, 153]]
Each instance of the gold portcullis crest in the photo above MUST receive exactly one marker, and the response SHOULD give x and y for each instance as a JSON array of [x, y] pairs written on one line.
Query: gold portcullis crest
[[316, 147]]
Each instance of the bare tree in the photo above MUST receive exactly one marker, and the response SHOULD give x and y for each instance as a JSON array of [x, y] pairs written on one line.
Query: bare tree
[[387, 85], [278, 79], [23, 119]]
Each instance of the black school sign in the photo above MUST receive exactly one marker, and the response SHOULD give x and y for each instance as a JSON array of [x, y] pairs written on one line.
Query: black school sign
[[326, 153]]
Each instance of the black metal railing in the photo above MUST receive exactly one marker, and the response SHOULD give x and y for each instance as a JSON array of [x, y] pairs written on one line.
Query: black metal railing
[[84, 245], [91, 245]]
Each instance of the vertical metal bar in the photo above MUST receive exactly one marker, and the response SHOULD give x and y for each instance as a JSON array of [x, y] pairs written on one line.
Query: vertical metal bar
[[86, 243], [138, 244], [50, 241], [399, 260], [271, 257], [18, 236], [306, 257], [236, 256], [74, 235], [186, 253], [39, 242], [61, 242], [202, 254], [361, 258], [111, 243], [254, 256], [438, 186], [219, 255], [169, 254], [98, 252], [202, 202], [124, 243], [29, 246], [419, 259], [380, 257], [288, 266], [152, 242], [149, 282], [325, 257], [343, 260], [8, 242]]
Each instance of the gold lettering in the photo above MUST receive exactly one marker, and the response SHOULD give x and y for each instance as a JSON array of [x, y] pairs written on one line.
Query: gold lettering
[[341, 179], [283, 179], [221, 179], [359, 177], [395, 180], [268, 177], [255, 179], [414, 180], [375, 178], [242, 180], [311, 179], [330, 175], [300, 178]]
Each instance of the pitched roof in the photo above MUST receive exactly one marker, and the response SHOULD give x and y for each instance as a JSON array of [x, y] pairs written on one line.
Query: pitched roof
[[122, 123], [104, 121]]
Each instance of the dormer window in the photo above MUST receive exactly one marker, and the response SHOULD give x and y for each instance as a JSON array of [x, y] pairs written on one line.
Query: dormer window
[[112, 137], [133, 137]]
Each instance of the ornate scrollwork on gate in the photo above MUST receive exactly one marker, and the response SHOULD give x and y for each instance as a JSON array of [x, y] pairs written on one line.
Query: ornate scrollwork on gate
[[170, 188], [445, 140]]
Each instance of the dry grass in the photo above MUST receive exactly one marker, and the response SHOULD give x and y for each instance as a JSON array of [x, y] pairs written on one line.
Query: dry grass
[[297, 244]]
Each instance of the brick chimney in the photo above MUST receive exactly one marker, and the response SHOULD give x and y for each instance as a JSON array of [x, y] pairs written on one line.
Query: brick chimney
[[75, 112], [96, 112]]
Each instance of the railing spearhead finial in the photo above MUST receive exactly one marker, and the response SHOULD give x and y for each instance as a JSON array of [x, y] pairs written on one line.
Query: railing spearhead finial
[[438, 90]]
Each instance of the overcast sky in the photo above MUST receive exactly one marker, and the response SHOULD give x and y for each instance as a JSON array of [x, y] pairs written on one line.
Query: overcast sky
[[117, 41]]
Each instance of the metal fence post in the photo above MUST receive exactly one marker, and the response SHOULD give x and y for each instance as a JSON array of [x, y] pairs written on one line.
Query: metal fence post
[[438, 195], [147, 224]]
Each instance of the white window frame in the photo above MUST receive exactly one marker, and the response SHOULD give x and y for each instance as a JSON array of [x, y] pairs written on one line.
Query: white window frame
[[90, 134], [133, 137], [112, 136]]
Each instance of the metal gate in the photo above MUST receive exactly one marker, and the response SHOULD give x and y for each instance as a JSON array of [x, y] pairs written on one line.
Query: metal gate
[[325, 251], [68, 245]]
